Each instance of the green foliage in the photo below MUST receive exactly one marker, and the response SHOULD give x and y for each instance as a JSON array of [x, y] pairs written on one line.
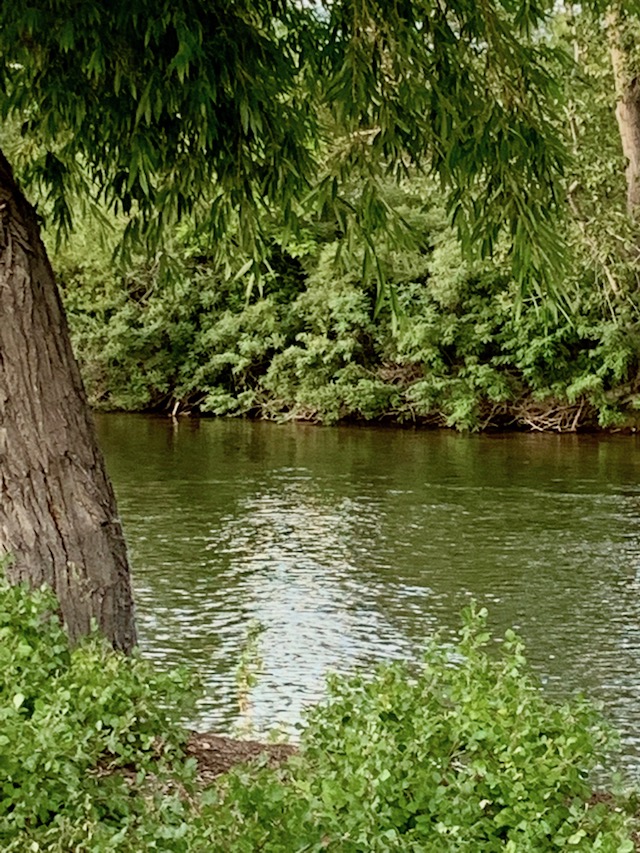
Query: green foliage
[[464, 754], [460, 753], [465, 353], [249, 667], [227, 111], [291, 143], [86, 737]]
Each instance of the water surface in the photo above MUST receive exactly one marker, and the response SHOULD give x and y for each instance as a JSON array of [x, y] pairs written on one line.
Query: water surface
[[353, 545]]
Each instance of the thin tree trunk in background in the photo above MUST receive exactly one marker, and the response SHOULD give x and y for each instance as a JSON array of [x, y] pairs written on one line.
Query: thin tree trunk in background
[[58, 516], [627, 107]]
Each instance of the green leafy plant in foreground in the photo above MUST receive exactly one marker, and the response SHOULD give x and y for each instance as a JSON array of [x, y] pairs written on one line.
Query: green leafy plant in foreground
[[72, 721], [463, 753]]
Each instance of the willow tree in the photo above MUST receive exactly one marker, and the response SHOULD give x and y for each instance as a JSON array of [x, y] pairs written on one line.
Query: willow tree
[[220, 108]]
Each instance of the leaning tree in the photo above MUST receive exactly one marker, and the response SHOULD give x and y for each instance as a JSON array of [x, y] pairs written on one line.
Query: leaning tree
[[220, 109]]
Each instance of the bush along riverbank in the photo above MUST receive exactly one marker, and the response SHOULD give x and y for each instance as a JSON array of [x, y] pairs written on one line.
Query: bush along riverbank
[[461, 350], [460, 753]]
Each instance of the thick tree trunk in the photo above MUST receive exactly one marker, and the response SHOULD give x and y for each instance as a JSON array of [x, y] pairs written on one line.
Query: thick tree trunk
[[627, 106], [58, 517], [628, 116]]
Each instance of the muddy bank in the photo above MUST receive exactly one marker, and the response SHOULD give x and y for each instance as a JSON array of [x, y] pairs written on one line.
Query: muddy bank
[[217, 754]]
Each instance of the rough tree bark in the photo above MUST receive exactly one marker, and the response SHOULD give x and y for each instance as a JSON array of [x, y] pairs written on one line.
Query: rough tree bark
[[627, 107], [58, 516]]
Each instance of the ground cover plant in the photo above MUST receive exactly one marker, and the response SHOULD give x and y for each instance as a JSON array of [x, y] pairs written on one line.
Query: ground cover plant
[[88, 738], [460, 753]]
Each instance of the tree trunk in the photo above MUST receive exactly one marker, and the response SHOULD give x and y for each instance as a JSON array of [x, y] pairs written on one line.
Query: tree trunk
[[628, 105], [628, 115], [58, 516]]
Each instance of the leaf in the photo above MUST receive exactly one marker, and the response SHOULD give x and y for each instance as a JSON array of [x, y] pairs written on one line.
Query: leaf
[[577, 837]]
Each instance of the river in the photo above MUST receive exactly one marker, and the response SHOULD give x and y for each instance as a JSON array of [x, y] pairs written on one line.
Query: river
[[353, 545]]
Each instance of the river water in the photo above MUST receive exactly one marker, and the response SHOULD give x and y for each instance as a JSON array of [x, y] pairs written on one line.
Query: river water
[[352, 545]]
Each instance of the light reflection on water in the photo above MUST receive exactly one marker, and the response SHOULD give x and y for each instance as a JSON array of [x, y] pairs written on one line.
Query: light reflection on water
[[352, 546]]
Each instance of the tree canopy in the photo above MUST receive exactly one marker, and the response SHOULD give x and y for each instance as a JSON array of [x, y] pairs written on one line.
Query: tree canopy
[[163, 109]]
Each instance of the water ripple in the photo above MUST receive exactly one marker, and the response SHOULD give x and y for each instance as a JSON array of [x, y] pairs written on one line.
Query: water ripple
[[354, 546]]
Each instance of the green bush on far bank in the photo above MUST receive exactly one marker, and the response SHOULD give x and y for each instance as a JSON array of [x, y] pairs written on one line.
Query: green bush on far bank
[[461, 753], [465, 352]]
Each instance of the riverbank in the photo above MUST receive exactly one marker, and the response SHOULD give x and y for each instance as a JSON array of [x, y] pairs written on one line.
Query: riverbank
[[93, 756], [524, 415], [216, 754], [453, 345]]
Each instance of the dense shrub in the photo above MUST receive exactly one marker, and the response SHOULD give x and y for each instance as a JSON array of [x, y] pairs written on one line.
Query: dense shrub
[[463, 753], [309, 345], [72, 721]]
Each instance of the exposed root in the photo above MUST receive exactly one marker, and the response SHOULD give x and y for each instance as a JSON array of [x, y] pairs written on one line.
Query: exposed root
[[551, 416]]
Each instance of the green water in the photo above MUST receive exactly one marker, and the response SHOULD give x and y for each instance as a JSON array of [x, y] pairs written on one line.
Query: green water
[[353, 545]]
